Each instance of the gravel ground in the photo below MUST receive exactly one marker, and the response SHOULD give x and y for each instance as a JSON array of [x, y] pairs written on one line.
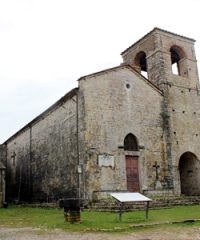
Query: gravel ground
[[36, 234]]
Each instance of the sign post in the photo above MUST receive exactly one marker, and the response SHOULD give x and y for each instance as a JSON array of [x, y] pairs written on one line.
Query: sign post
[[123, 198]]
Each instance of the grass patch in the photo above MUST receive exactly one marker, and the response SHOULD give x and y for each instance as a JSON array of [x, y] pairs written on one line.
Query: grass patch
[[43, 218]]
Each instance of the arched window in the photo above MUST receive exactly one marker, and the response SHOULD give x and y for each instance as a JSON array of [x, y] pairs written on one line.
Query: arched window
[[130, 143], [140, 63], [176, 55]]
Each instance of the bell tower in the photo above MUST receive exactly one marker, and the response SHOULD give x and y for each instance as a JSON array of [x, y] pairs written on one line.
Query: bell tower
[[168, 60], [164, 58]]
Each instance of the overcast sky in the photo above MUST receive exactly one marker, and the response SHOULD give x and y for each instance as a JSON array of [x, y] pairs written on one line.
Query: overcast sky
[[46, 45]]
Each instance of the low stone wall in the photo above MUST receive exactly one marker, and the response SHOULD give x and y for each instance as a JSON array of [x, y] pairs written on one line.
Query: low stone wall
[[162, 193]]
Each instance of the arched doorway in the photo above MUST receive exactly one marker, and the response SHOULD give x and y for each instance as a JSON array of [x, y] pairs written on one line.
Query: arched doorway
[[189, 168], [132, 171]]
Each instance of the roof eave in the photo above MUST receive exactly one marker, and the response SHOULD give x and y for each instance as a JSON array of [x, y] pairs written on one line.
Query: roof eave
[[154, 30]]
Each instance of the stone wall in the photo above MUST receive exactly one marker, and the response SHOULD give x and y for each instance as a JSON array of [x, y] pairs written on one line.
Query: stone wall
[[42, 157], [185, 128]]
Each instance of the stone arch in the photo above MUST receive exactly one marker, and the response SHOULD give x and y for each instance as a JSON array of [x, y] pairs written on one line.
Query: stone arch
[[140, 63], [130, 143], [177, 55], [189, 169]]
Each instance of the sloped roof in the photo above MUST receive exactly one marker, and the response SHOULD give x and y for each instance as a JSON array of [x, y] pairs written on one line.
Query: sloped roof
[[127, 66], [154, 30]]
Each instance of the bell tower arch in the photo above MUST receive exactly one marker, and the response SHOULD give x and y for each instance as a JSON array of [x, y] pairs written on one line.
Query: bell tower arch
[[177, 61]]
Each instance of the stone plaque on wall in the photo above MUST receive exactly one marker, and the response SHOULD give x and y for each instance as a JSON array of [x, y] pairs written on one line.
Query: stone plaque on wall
[[106, 160]]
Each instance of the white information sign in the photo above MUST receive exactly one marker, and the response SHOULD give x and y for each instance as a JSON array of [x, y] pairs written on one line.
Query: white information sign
[[123, 197], [130, 197]]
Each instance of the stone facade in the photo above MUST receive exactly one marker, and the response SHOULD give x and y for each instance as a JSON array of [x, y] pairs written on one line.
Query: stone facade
[[116, 102], [134, 127]]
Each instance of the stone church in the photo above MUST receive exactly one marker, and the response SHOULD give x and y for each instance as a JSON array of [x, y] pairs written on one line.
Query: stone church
[[134, 127]]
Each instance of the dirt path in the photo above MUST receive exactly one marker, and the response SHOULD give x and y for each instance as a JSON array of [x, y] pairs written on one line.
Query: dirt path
[[37, 234]]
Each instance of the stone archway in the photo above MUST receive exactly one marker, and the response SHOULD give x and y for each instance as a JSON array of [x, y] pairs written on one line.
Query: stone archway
[[189, 168]]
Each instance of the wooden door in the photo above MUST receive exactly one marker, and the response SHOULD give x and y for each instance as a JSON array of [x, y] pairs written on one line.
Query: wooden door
[[132, 174]]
